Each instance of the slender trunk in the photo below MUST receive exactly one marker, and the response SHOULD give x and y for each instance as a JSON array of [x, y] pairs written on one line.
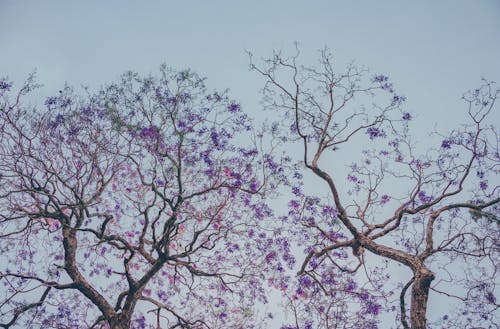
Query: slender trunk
[[419, 296]]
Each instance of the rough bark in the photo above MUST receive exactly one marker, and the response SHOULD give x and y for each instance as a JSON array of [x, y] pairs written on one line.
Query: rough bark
[[119, 322], [419, 296]]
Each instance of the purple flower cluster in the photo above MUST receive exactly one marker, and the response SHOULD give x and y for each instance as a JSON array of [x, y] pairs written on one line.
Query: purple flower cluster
[[424, 198], [140, 322], [52, 100], [220, 138], [373, 308], [150, 132], [294, 204], [270, 256], [407, 116], [396, 100], [305, 282], [383, 81], [59, 119], [380, 78], [4, 85], [65, 102], [351, 286], [352, 178], [249, 153], [205, 156], [446, 144], [374, 132], [329, 211], [233, 108], [254, 185], [296, 191]]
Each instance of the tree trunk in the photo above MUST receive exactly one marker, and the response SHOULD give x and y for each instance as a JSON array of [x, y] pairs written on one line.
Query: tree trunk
[[419, 296], [119, 322]]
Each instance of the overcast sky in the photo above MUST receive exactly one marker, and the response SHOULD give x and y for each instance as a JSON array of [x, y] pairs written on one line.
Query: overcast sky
[[432, 50]]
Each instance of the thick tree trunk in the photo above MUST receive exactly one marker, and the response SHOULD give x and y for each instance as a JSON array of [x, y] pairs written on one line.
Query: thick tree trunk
[[419, 296], [120, 322]]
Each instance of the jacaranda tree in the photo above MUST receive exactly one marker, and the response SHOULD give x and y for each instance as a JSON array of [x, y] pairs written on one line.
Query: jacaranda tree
[[145, 205], [400, 222], [136, 206]]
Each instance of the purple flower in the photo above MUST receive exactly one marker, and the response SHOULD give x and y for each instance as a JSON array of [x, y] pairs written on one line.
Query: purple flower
[[423, 197], [364, 296], [407, 116], [249, 153], [171, 100], [66, 102], [149, 132], [233, 108], [271, 256], [299, 292], [254, 186], [380, 78], [351, 285], [51, 101], [140, 323], [352, 178], [483, 185], [398, 100], [206, 158], [294, 204], [215, 137], [373, 308], [305, 281], [163, 295], [4, 85], [446, 144], [385, 198], [270, 162], [383, 81], [374, 132], [394, 143], [296, 190], [59, 119]]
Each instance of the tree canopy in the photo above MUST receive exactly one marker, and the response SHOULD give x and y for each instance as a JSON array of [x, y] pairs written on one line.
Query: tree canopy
[[432, 210], [155, 203], [132, 203]]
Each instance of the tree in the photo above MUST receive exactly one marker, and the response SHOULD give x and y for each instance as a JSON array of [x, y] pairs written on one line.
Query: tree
[[140, 206], [137, 206], [435, 214]]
